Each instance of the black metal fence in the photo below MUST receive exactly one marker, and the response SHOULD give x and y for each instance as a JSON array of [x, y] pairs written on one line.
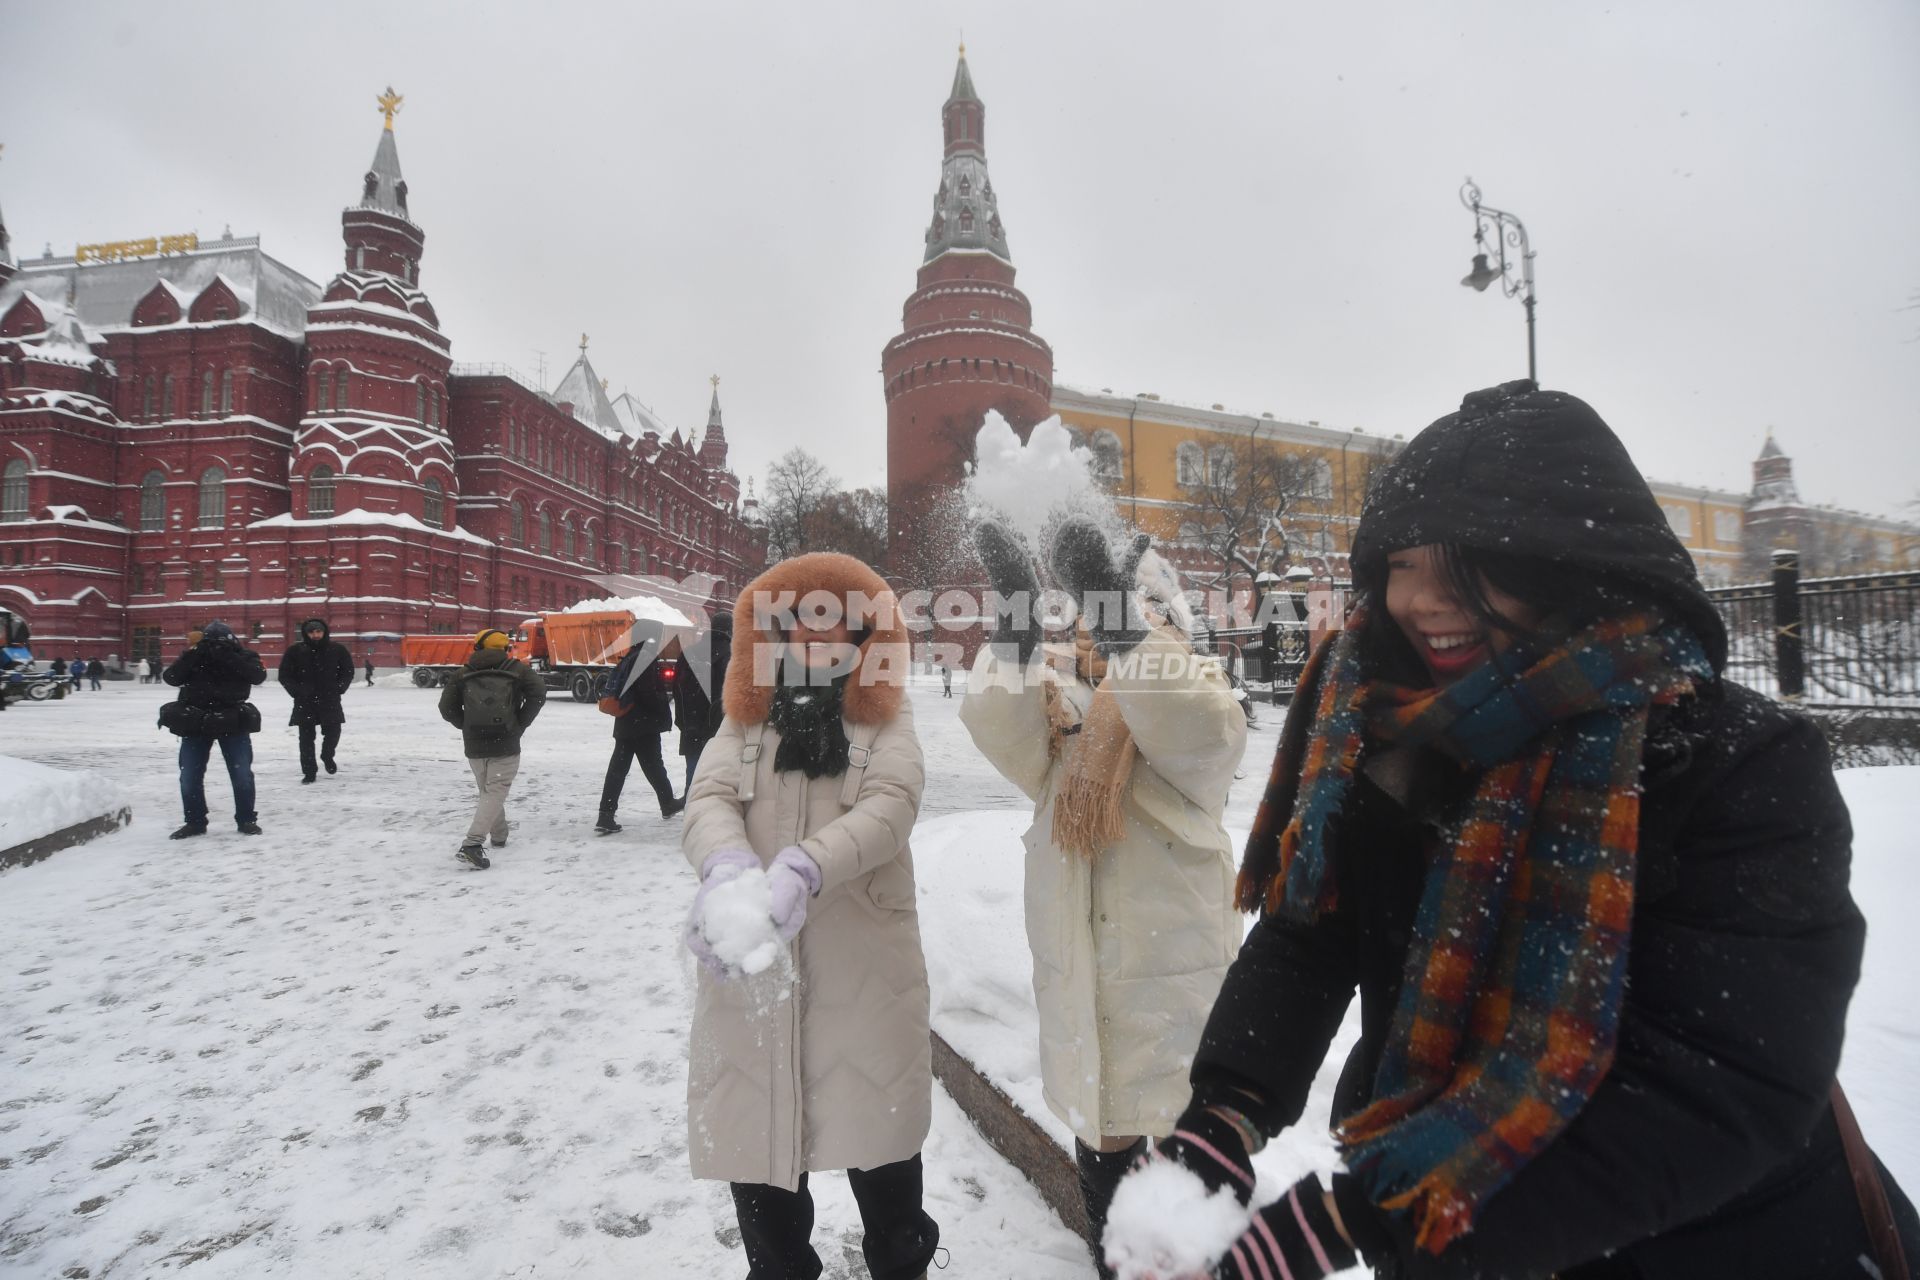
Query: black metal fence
[[1845, 642]]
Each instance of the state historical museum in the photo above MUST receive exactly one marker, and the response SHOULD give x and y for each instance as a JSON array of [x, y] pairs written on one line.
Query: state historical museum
[[193, 430]]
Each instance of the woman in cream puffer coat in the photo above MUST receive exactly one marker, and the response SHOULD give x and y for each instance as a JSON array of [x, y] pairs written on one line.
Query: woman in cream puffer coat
[[822, 1061], [1132, 931]]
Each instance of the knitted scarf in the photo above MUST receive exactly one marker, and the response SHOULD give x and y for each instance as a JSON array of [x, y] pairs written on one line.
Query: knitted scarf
[[812, 737], [1511, 997], [1088, 810]]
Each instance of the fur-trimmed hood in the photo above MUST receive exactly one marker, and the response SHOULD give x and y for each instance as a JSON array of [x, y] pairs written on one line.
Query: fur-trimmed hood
[[878, 684]]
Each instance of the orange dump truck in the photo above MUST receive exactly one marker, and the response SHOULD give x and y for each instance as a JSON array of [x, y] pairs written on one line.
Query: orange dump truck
[[573, 652]]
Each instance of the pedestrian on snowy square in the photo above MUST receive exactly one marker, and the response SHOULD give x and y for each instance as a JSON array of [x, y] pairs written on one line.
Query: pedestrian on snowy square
[[95, 669], [1126, 741], [153, 671], [369, 671], [1592, 894], [639, 697], [491, 700], [57, 668], [215, 676], [810, 1044], [946, 681], [76, 673], [316, 671], [699, 678]]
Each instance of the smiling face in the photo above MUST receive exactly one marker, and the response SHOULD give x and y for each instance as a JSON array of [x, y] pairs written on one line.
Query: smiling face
[[1449, 637], [819, 643]]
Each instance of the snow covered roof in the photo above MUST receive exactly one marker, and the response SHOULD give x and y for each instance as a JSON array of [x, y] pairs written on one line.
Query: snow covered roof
[[388, 190], [360, 515], [273, 294], [583, 389], [636, 419]]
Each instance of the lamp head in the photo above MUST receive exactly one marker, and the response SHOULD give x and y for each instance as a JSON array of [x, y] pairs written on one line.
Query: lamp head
[[1481, 276]]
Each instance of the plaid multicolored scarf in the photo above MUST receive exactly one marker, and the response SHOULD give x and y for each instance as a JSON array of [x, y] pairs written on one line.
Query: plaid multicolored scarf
[[1511, 998]]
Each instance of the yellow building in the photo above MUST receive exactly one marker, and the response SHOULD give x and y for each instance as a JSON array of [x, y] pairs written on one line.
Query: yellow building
[[1171, 468]]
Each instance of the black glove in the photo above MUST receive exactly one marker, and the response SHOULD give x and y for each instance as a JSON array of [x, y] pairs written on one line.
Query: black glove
[[1105, 590], [1294, 1236], [1011, 574], [1208, 1145]]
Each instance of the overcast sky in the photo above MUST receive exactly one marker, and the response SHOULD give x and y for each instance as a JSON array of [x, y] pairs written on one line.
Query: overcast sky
[[1250, 204]]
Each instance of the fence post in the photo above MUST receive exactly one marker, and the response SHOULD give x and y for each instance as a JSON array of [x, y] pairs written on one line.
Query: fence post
[[1789, 646]]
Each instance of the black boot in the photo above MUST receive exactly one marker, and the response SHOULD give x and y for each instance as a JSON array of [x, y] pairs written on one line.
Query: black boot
[[1100, 1174], [605, 824]]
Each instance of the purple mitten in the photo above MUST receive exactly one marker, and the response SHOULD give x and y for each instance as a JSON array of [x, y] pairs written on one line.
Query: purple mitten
[[792, 879], [720, 866]]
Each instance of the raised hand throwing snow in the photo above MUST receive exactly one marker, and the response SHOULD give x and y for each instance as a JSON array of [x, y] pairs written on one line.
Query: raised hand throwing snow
[[1103, 587], [1011, 574]]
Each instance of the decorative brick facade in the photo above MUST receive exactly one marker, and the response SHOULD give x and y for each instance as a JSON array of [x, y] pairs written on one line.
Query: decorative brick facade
[[210, 434]]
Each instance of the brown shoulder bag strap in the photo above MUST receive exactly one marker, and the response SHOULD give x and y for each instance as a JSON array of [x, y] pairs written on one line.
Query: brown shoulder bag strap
[[1882, 1232]]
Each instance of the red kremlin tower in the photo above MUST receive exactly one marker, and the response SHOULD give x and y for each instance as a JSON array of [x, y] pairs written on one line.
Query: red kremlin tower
[[966, 345]]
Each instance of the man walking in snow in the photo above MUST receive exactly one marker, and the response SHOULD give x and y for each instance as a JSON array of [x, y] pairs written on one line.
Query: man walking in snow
[[369, 671], [214, 677], [640, 700], [315, 672], [491, 701]]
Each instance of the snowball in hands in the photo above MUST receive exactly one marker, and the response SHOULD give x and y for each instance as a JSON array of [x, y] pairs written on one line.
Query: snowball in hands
[[737, 921], [1163, 1224]]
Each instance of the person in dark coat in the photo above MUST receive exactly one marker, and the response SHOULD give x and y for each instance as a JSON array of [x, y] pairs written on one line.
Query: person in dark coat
[[95, 670], [491, 700], [316, 671], [215, 676], [699, 678], [642, 708], [1593, 897], [58, 667], [369, 671]]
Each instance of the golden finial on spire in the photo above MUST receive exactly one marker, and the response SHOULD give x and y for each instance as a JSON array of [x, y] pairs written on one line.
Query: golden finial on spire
[[583, 344], [389, 103], [715, 380], [603, 386]]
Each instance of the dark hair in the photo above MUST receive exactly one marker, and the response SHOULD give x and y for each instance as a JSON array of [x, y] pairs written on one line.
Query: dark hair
[[1564, 597]]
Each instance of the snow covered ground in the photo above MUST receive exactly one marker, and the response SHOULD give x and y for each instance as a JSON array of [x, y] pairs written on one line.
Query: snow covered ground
[[331, 1051]]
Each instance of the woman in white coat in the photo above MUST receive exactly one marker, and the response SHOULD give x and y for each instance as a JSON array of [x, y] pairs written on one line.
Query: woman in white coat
[[822, 1060], [1126, 742]]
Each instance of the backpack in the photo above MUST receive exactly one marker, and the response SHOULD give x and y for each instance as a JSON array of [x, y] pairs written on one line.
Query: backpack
[[491, 704]]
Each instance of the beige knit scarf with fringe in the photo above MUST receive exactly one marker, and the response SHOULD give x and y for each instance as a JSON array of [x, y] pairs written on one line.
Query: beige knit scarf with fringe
[[1087, 808]]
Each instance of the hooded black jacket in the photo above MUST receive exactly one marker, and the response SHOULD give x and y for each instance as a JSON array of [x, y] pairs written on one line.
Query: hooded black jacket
[[646, 708], [315, 676], [215, 675], [1709, 1149]]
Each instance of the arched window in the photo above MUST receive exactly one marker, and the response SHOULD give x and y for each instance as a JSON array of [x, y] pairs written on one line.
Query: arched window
[[1190, 463], [146, 401], [325, 401], [213, 495], [226, 391], [153, 502], [420, 401], [320, 491], [1220, 466], [206, 394], [1106, 456], [517, 522], [1320, 483], [566, 537], [546, 533], [13, 491], [340, 390], [436, 505], [167, 406]]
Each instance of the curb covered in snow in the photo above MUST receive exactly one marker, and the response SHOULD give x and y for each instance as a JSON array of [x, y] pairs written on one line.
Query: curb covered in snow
[[25, 855], [1009, 1130]]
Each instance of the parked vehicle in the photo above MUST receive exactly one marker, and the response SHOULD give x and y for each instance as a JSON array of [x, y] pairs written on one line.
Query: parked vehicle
[[572, 652]]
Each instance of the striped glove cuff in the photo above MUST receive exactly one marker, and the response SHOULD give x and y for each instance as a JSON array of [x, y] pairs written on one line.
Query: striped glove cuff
[[1210, 1146], [1294, 1238]]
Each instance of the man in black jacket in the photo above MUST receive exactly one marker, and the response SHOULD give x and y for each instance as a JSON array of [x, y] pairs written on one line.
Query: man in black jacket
[[698, 679], [491, 700], [643, 710], [214, 678], [315, 672]]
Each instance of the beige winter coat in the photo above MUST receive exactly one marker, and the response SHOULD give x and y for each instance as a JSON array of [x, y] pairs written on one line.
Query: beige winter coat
[[1129, 950], [823, 1063]]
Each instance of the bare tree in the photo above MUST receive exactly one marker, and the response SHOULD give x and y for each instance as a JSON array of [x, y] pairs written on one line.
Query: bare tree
[[798, 487], [1240, 499], [853, 522]]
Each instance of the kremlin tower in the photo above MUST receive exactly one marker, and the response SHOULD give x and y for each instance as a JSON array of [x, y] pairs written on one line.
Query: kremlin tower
[[966, 344]]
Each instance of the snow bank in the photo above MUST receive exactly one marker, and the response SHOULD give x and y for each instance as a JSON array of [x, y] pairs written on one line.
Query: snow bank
[[37, 801]]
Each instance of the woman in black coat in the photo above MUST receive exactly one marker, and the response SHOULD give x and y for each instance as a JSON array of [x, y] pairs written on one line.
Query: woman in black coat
[[1593, 898], [316, 671]]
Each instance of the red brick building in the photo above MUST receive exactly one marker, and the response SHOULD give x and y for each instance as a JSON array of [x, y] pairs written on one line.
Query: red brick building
[[208, 433], [966, 345]]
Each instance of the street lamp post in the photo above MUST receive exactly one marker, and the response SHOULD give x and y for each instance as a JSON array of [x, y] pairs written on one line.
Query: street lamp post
[[1502, 229]]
